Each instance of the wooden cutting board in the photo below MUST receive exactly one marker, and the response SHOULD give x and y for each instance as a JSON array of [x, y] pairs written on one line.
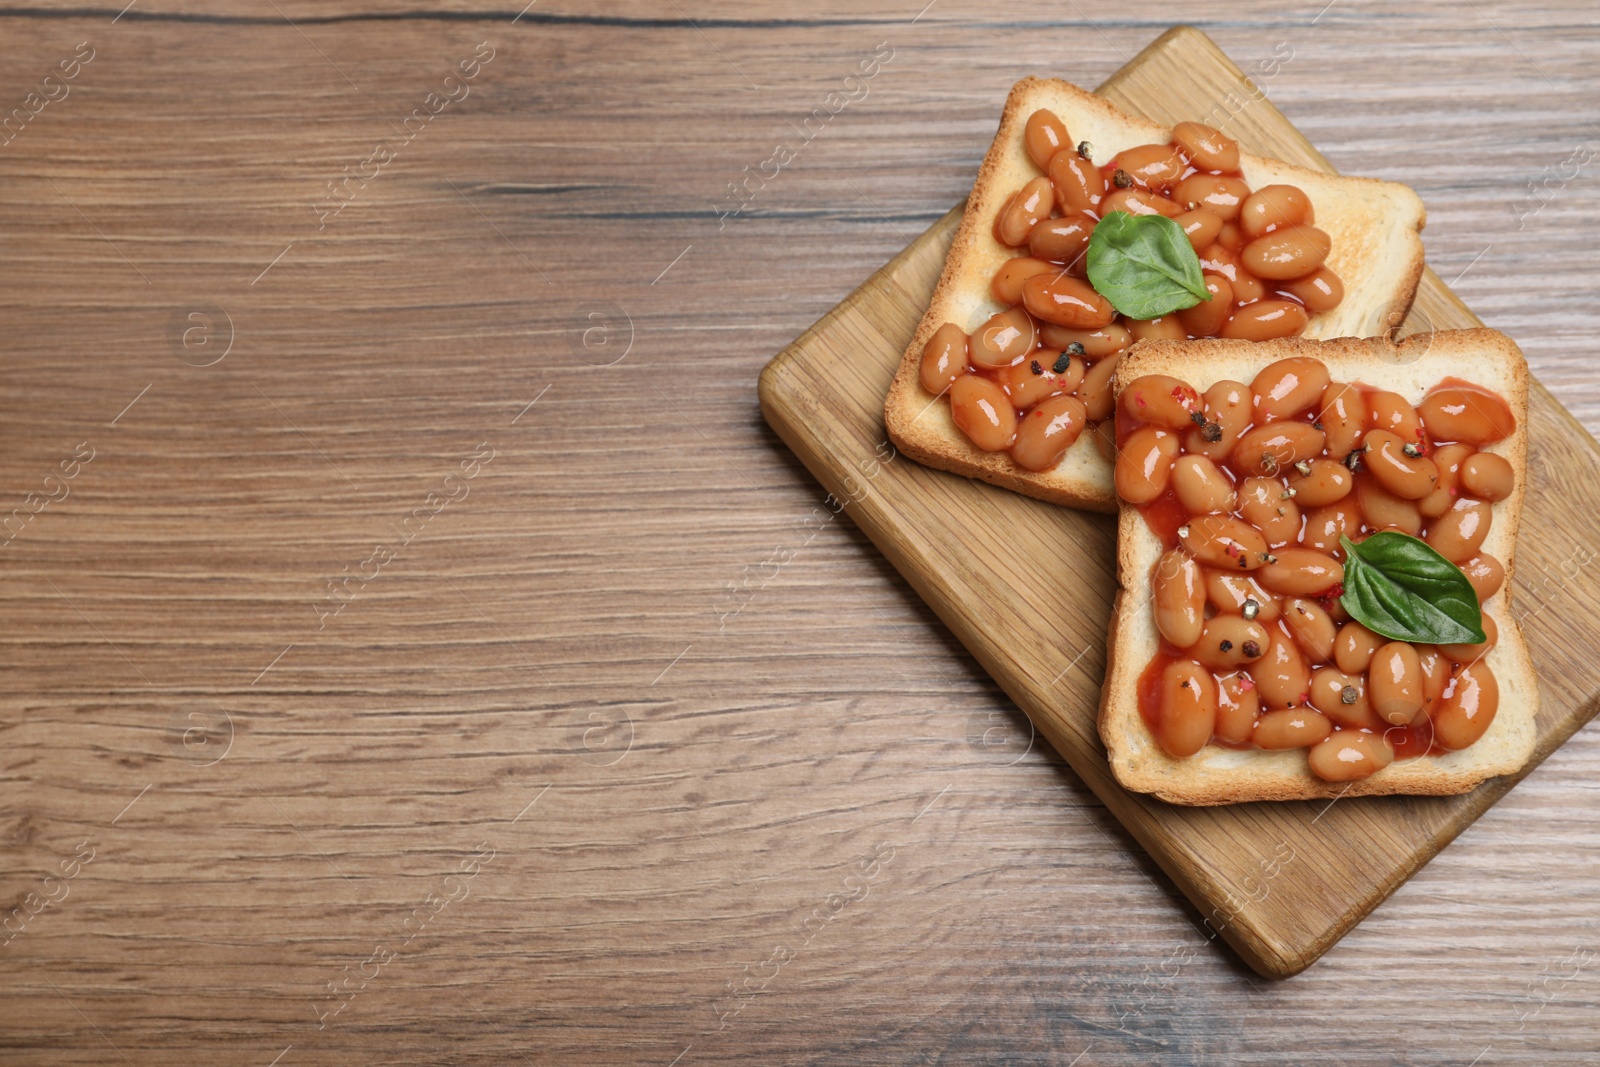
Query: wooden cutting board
[[1027, 586]]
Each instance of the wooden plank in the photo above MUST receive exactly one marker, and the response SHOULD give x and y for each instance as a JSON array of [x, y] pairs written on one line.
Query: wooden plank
[[1017, 923], [1026, 587]]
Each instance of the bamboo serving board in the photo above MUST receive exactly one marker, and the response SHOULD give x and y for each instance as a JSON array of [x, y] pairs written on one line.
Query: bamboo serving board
[[1280, 882]]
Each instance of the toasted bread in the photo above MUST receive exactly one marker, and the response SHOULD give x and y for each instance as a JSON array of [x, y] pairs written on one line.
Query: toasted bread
[[1376, 252], [1222, 775]]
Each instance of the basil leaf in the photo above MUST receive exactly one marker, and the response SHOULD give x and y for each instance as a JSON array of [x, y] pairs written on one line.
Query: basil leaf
[[1396, 585], [1144, 265]]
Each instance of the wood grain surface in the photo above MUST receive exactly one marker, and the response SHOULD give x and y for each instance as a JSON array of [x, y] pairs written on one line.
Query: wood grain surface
[[1028, 588], [625, 749]]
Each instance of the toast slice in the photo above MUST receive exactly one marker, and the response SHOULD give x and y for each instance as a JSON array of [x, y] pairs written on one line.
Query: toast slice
[[1223, 775], [1377, 252]]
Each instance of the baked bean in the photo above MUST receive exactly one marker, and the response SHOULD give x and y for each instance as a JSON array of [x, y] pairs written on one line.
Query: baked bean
[[1382, 510], [1301, 572], [1229, 591], [1206, 146], [1068, 380], [1447, 460], [1247, 288], [1467, 413], [1200, 227], [1200, 486], [1407, 477], [1354, 646], [1328, 482], [1219, 540], [1325, 525], [1328, 692], [1272, 207], [1348, 755], [1095, 392], [1264, 504], [1227, 406], [1488, 476], [1486, 575], [1238, 707], [1220, 260], [1393, 412], [1319, 291], [1097, 344], [1228, 642], [1275, 447], [1006, 285], [1459, 533], [1282, 675], [1043, 135], [1079, 183], [1105, 439], [1467, 708], [1165, 328], [1002, 339], [1144, 465], [1288, 386], [1264, 320], [1394, 682], [1231, 238], [983, 412], [1139, 202], [1207, 317], [1188, 708], [1061, 240], [1027, 206], [1026, 388], [1045, 433], [1291, 728], [1218, 197], [1177, 589], [1343, 417], [1435, 676], [1067, 301], [1292, 252], [1151, 166], [1473, 653], [944, 358], [1314, 630]]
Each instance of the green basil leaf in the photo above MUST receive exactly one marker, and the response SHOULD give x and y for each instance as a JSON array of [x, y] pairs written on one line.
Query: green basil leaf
[[1396, 585], [1144, 265]]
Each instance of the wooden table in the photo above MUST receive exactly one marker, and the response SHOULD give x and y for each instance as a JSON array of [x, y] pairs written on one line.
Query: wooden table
[[420, 650]]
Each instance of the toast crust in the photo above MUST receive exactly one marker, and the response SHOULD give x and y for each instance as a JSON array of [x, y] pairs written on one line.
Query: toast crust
[[1377, 252], [1220, 775]]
